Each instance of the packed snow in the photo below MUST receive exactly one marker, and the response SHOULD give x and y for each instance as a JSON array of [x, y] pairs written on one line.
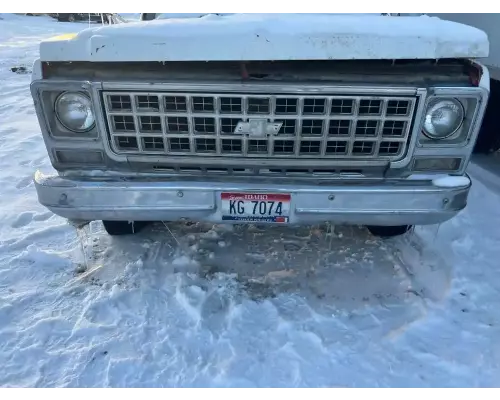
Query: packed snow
[[273, 37], [202, 305]]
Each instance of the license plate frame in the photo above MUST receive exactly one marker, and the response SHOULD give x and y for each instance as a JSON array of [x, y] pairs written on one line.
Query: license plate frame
[[255, 207]]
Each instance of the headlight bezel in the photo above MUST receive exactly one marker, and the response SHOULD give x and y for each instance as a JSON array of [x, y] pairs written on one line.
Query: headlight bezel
[[45, 94], [60, 119], [432, 103], [55, 136], [470, 99]]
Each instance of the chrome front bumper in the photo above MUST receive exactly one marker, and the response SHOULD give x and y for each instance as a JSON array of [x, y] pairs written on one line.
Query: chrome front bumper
[[398, 202]]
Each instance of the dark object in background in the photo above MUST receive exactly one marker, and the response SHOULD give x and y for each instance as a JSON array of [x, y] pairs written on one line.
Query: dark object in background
[[93, 17], [20, 70], [488, 140], [147, 16], [151, 16]]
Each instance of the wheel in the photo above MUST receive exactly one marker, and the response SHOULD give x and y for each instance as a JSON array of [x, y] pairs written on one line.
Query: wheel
[[121, 228], [388, 231]]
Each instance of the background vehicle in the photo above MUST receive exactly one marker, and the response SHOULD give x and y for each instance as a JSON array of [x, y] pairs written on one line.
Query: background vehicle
[[151, 16], [92, 17]]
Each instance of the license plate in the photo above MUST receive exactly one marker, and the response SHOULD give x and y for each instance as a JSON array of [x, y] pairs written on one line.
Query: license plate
[[256, 207]]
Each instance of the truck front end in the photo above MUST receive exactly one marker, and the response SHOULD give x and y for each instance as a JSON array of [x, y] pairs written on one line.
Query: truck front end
[[287, 124]]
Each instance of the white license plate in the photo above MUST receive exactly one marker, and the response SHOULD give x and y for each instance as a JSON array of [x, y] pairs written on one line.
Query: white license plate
[[256, 207]]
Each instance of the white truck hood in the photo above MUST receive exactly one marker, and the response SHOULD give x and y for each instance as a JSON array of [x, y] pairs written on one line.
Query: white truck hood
[[249, 37]]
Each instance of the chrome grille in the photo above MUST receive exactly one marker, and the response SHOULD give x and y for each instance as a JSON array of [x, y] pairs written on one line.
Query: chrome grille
[[200, 124]]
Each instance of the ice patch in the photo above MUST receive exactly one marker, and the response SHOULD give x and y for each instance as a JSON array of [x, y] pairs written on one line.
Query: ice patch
[[451, 181], [441, 180]]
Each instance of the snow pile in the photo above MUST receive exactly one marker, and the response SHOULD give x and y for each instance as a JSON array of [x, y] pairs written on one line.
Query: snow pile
[[274, 37], [202, 305]]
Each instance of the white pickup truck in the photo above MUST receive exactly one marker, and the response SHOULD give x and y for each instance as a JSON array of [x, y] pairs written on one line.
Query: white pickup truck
[[284, 119]]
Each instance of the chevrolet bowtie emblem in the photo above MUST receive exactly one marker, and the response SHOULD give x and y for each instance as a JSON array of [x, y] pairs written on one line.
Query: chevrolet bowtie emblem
[[256, 127]]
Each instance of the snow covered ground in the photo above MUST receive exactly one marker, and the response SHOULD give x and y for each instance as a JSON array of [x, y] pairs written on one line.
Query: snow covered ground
[[213, 306]]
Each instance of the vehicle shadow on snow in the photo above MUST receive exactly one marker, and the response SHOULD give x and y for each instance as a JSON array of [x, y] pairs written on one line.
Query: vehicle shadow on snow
[[339, 271]]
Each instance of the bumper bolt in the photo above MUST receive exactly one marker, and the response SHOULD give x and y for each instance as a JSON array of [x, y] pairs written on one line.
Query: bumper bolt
[[180, 194], [63, 199], [445, 201], [331, 197]]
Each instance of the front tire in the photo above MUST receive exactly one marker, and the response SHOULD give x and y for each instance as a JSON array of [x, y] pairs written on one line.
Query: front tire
[[122, 228], [388, 231]]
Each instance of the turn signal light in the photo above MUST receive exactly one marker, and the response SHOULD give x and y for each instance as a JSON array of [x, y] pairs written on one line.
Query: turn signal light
[[437, 164]]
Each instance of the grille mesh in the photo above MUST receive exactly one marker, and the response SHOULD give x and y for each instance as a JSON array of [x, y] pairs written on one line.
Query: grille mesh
[[344, 127]]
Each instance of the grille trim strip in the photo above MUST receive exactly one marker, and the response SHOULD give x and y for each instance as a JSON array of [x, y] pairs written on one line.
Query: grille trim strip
[[378, 140]]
